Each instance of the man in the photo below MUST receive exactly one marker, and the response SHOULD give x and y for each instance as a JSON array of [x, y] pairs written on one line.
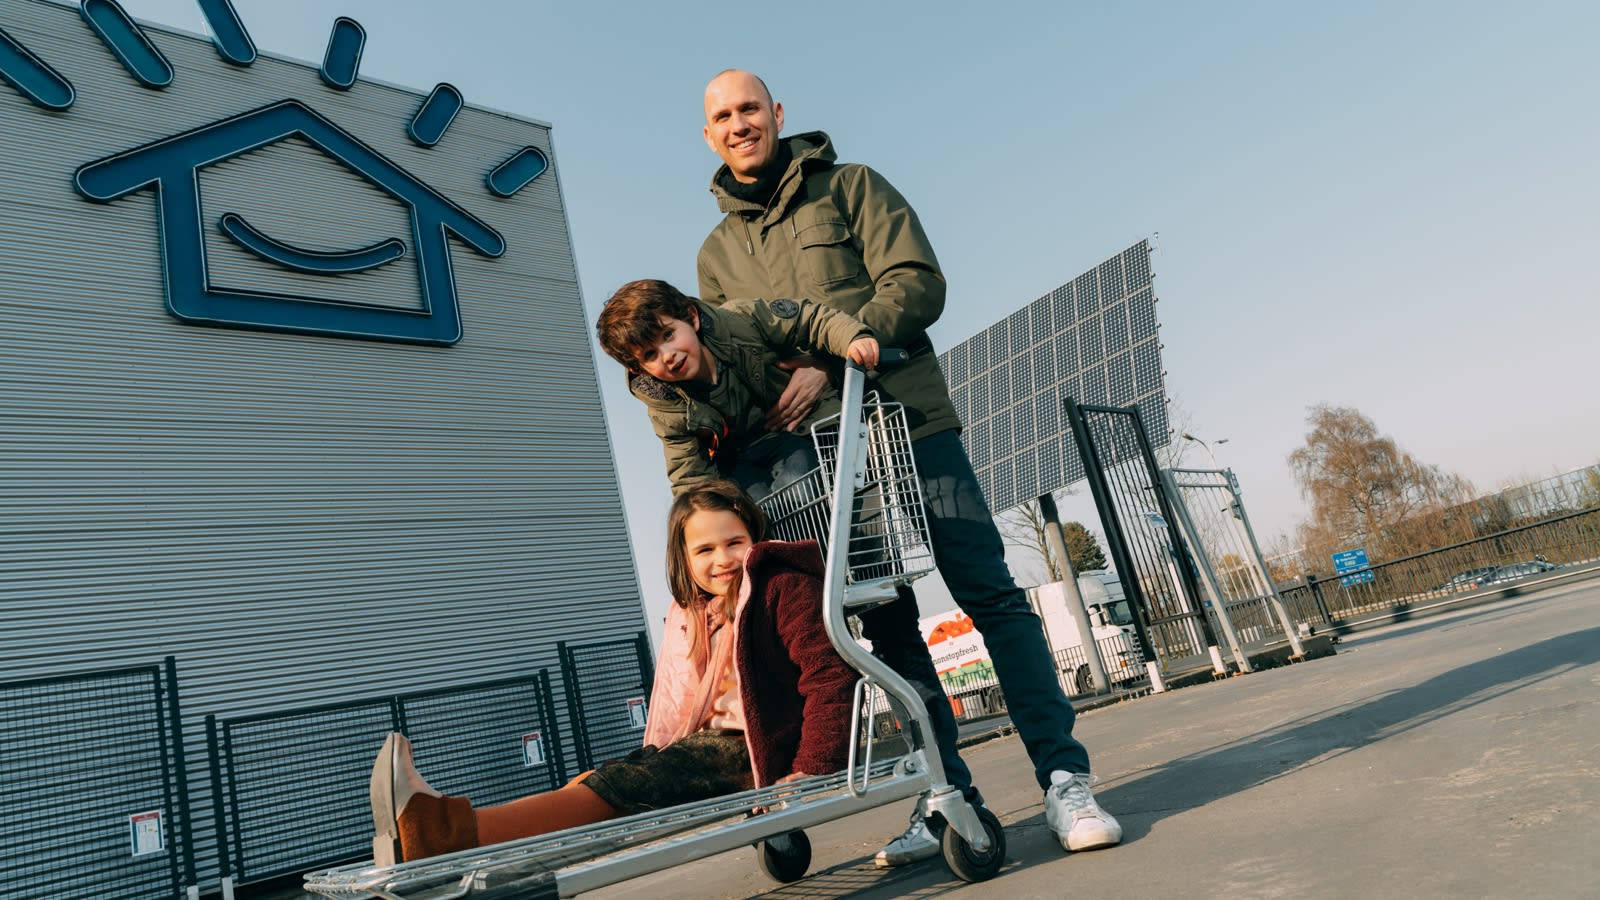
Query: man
[[800, 226]]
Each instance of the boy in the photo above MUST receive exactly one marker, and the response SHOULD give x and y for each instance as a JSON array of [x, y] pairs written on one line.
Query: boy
[[708, 375]]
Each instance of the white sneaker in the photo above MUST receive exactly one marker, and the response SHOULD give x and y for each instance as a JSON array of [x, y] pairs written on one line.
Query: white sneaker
[[1078, 822], [915, 845]]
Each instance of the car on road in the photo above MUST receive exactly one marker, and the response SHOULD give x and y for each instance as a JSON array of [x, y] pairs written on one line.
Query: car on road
[[1471, 578], [1518, 570]]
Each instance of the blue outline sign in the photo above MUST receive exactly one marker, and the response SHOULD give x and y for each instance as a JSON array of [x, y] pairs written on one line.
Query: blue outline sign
[[1352, 567], [172, 165]]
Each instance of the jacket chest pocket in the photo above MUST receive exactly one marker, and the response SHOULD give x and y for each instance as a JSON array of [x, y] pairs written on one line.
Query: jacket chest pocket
[[830, 256]]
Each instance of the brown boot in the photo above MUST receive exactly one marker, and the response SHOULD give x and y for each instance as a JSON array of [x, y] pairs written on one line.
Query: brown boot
[[412, 820]]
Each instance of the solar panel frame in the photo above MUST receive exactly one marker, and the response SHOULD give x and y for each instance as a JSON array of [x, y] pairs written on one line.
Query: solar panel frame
[[1094, 338]]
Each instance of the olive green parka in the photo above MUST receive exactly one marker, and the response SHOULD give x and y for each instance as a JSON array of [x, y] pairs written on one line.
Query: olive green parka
[[703, 428], [841, 235]]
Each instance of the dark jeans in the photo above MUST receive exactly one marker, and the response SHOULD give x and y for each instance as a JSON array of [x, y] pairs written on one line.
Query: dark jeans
[[971, 557]]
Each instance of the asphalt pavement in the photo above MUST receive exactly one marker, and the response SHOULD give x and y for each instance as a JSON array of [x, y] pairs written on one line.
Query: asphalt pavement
[[1454, 756]]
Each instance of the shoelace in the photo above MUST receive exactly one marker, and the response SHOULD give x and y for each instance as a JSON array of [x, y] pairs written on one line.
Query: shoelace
[[1074, 792]]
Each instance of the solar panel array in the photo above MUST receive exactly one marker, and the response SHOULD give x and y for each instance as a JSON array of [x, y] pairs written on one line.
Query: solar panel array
[[1094, 339]]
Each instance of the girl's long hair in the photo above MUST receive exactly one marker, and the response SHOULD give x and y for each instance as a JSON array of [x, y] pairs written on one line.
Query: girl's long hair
[[714, 496]]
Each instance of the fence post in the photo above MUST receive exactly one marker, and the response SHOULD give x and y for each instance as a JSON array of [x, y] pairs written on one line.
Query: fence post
[[1316, 596], [181, 768], [569, 678], [219, 807], [547, 706]]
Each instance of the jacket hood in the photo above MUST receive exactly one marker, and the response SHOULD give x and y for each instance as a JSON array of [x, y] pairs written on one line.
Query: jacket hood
[[811, 149]]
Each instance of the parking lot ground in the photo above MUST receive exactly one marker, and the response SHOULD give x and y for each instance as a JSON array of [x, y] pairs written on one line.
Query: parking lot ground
[[1446, 757], [1453, 756]]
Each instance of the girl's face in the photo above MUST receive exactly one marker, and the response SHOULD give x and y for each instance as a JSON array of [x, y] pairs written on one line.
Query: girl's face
[[716, 543]]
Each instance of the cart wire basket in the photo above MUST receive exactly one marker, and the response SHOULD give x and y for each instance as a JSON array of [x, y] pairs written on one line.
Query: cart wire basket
[[889, 531]]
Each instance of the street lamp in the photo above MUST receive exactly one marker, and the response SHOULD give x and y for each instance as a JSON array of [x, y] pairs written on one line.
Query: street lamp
[[1220, 441]]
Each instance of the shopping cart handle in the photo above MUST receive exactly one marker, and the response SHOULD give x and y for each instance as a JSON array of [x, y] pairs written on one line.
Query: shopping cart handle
[[888, 358]]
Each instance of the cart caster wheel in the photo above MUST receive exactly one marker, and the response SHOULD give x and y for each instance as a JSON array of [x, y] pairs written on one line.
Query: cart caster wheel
[[968, 864], [785, 857]]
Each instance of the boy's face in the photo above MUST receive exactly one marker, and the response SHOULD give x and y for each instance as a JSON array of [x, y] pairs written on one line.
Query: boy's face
[[677, 354]]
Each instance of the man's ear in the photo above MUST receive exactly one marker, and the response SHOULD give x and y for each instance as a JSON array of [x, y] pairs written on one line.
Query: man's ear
[[709, 142], [777, 115]]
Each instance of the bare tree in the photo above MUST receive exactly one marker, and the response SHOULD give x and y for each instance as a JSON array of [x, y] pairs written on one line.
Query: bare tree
[[1023, 528], [1366, 491]]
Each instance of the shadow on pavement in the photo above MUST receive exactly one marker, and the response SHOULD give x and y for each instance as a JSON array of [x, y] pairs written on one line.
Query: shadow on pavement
[[1193, 781]]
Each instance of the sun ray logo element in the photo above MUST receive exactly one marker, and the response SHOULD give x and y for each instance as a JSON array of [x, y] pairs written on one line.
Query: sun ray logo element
[[171, 167]]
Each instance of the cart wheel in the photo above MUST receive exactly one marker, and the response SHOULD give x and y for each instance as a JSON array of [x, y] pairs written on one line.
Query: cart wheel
[[968, 864], [785, 857]]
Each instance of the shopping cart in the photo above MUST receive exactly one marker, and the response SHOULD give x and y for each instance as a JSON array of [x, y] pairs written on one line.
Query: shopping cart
[[863, 503]]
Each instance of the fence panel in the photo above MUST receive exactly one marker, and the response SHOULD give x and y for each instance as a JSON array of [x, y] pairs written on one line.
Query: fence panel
[[1120, 654], [607, 686], [294, 786], [293, 783], [494, 743], [91, 805], [1492, 561]]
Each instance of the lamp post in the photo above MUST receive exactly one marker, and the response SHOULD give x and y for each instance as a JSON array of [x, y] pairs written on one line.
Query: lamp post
[[1207, 447]]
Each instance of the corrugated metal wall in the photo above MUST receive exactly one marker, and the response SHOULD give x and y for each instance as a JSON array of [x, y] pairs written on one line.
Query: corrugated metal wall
[[297, 519]]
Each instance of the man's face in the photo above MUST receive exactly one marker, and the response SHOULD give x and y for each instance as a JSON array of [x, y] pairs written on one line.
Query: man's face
[[677, 354], [742, 123]]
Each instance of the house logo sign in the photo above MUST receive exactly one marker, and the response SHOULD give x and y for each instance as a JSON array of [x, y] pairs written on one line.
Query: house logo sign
[[172, 166]]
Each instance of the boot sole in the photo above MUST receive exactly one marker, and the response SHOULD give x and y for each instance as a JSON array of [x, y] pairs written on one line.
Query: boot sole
[[385, 827]]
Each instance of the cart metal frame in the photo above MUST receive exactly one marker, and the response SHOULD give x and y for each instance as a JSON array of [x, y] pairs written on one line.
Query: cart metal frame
[[863, 503]]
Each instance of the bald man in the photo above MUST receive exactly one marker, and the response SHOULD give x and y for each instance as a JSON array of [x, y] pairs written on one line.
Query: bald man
[[800, 225]]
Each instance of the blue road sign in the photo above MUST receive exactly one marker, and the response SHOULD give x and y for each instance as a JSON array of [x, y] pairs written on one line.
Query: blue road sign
[[1351, 566]]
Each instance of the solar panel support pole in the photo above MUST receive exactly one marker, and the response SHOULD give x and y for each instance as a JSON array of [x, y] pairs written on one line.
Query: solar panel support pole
[[1056, 540]]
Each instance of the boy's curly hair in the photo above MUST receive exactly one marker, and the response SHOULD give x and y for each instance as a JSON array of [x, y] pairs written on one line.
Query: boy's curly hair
[[630, 322]]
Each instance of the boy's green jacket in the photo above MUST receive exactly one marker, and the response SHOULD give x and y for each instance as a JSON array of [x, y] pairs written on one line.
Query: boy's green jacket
[[702, 426], [839, 234]]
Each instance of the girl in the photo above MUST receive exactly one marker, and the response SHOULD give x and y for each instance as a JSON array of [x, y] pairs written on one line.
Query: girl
[[748, 692]]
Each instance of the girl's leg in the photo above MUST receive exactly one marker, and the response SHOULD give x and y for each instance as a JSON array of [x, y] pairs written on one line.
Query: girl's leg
[[573, 805]]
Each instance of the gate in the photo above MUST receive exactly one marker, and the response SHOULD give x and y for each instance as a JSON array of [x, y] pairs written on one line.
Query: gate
[[1157, 571], [94, 802], [291, 786], [608, 685]]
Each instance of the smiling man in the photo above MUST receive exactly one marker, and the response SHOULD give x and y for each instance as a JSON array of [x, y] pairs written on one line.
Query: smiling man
[[800, 225]]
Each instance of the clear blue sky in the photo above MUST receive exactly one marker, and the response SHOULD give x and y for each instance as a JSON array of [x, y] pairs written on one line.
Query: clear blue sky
[[1385, 205]]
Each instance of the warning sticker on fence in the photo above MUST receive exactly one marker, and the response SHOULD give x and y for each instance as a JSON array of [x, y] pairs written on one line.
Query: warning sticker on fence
[[145, 834], [533, 749], [636, 713]]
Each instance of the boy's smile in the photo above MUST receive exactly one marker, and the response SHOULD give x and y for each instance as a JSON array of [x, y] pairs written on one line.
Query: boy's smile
[[678, 355]]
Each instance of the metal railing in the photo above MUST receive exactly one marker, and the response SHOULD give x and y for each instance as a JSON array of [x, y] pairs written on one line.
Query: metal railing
[[1487, 562], [608, 686], [291, 785], [94, 789], [1120, 654]]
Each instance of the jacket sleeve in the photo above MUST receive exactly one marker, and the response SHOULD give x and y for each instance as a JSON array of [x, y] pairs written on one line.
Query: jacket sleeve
[[812, 327], [909, 289], [827, 683], [686, 465]]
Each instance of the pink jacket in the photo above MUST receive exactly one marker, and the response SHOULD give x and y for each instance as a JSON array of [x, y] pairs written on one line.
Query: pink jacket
[[796, 689]]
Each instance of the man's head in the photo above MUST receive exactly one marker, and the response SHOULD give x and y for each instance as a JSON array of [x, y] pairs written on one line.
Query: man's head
[[742, 123], [651, 327]]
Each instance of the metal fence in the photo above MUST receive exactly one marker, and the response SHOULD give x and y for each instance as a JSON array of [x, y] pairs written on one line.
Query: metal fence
[[1494, 561], [608, 687], [94, 801], [1118, 652], [291, 785]]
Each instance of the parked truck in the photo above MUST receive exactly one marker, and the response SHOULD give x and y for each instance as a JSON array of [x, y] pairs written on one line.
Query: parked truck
[[967, 672]]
